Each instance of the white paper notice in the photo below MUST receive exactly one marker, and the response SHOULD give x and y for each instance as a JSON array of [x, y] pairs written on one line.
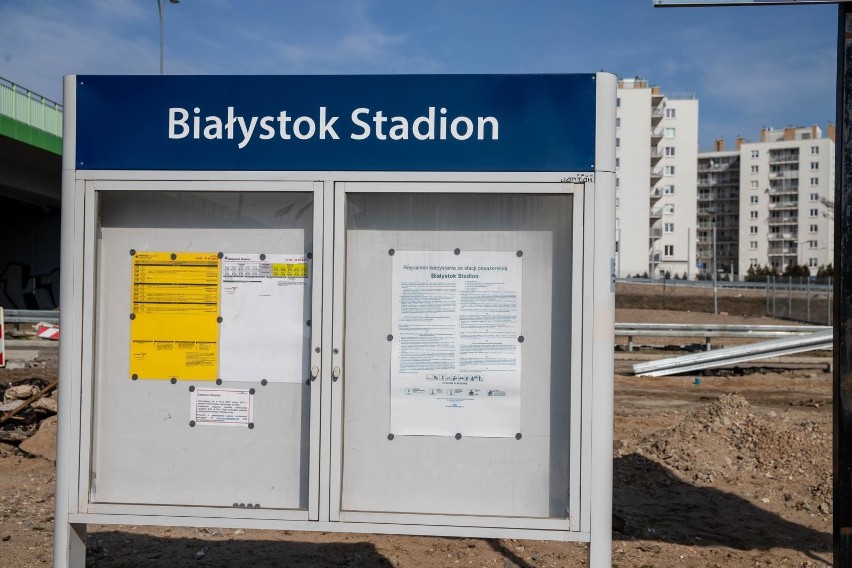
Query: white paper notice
[[264, 303], [223, 407], [456, 353]]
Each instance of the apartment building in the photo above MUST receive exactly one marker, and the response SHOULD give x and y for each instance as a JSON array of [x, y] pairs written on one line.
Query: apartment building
[[718, 211], [779, 211], [656, 159]]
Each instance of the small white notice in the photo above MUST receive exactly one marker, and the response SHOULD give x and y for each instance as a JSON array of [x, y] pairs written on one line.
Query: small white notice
[[223, 407], [265, 302], [456, 343]]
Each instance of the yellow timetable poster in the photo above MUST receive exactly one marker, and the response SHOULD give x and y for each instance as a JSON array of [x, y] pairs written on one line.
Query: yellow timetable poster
[[173, 328]]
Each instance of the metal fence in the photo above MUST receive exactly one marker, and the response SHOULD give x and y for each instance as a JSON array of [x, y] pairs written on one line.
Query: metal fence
[[30, 108], [799, 298]]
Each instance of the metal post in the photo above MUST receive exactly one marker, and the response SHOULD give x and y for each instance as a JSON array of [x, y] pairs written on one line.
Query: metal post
[[767, 294], [808, 296], [160, 9], [789, 296], [842, 384], [715, 289]]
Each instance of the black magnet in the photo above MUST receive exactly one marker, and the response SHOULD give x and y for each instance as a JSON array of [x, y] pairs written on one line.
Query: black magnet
[[262, 257], [192, 423], [191, 388], [518, 436], [391, 252], [132, 252], [251, 425], [457, 252], [251, 391], [218, 381], [264, 382], [390, 436], [458, 436], [173, 380], [390, 337]]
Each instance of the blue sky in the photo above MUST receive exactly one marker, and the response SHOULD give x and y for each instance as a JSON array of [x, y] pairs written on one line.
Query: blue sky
[[749, 67]]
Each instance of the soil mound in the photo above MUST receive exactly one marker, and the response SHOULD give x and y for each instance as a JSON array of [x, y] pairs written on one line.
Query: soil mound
[[729, 439]]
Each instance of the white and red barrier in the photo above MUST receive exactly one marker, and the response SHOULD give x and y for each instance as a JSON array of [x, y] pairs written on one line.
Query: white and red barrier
[[47, 331]]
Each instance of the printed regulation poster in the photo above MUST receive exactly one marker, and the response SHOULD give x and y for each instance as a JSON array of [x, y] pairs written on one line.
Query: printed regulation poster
[[456, 346]]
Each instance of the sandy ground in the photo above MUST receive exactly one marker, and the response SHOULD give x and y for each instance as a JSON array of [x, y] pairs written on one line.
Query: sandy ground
[[732, 472]]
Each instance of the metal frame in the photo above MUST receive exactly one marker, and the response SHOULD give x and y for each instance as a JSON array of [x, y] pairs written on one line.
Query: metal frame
[[580, 382], [591, 489]]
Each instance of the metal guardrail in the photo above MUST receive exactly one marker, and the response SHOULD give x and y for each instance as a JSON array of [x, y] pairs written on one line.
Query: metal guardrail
[[30, 108], [18, 317], [734, 355], [709, 331]]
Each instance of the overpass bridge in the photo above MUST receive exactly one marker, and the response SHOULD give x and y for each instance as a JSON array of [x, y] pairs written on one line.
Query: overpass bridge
[[30, 190]]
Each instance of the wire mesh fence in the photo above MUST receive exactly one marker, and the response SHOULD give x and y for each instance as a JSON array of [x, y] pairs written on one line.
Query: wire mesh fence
[[800, 298]]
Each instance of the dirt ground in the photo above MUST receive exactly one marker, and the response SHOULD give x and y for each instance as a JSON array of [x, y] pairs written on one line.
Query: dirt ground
[[726, 471]]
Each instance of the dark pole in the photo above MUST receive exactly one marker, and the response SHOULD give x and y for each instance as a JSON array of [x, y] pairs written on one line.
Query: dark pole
[[842, 384]]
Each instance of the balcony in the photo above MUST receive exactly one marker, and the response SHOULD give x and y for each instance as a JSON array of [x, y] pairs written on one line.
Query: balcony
[[656, 175], [781, 251], [774, 222], [782, 205], [656, 234], [656, 194], [656, 136], [783, 236], [784, 158], [656, 214], [656, 155]]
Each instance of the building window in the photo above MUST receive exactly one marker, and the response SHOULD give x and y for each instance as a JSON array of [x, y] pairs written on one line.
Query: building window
[[755, 153], [670, 113], [752, 230], [618, 122], [668, 190], [668, 209], [618, 142], [813, 228], [669, 171], [668, 250], [752, 262], [814, 165], [755, 169], [812, 262], [752, 184], [616, 203], [815, 197], [668, 227], [752, 245], [753, 199], [814, 213], [814, 181], [812, 244], [670, 150], [617, 183], [814, 150], [618, 102], [752, 214], [668, 132]]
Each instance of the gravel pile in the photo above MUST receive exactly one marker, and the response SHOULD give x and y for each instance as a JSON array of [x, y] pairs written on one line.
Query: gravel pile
[[728, 439]]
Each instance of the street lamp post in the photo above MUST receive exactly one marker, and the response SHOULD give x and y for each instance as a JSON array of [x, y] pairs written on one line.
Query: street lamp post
[[715, 289], [160, 10]]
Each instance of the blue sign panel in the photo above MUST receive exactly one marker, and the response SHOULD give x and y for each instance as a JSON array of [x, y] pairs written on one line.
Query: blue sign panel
[[344, 123]]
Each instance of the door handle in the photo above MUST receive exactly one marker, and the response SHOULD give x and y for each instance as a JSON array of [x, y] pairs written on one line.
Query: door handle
[[314, 372], [335, 374]]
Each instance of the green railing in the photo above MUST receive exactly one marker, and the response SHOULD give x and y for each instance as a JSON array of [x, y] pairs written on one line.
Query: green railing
[[30, 118]]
